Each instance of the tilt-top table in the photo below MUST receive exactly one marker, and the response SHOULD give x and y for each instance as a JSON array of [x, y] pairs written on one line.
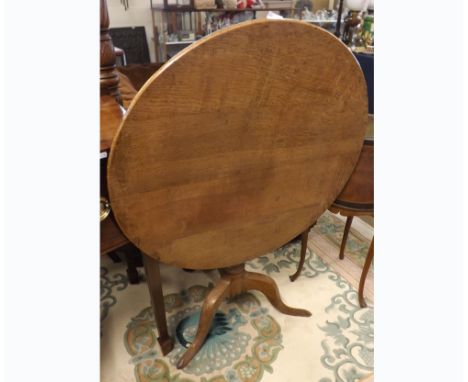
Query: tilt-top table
[[233, 148]]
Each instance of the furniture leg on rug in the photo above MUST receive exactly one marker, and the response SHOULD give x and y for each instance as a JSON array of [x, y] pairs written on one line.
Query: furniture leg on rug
[[130, 253], [235, 280], [370, 253], [365, 270], [132, 272], [153, 277], [356, 199], [349, 221], [304, 237]]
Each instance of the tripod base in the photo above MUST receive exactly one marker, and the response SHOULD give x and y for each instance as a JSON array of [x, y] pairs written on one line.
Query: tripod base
[[234, 281]]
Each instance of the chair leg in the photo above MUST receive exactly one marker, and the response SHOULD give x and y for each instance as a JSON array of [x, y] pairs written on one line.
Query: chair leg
[[365, 270], [132, 271], [349, 220], [234, 281], [304, 237], [114, 257], [153, 278]]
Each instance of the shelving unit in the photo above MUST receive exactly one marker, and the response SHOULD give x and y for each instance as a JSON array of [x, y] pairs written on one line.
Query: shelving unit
[[173, 20]]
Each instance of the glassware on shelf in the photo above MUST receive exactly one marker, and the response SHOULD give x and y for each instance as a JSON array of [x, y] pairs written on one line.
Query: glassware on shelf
[[353, 22], [307, 15], [368, 28]]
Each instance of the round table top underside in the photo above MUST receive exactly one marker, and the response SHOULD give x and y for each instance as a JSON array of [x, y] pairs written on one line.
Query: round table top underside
[[238, 144]]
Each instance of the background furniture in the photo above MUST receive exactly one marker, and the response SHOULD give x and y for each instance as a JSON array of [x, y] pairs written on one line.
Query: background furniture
[[120, 54], [111, 113], [138, 74], [356, 199], [214, 166], [133, 42], [112, 238]]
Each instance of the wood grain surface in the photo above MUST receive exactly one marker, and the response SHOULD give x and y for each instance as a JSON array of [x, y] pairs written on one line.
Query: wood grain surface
[[111, 115], [238, 143], [357, 196], [358, 193]]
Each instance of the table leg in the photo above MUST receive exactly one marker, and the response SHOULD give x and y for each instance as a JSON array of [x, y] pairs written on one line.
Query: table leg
[[365, 270], [349, 220], [132, 272], [153, 278], [212, 301], [304, 237], [234, 281]]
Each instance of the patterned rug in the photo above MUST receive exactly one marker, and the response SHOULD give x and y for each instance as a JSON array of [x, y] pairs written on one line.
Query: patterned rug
[[331, 227], [249, 340]]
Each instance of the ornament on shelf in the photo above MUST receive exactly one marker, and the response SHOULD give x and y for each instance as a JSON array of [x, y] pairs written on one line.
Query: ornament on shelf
[[368, 27], [352, 26], [241, 4]]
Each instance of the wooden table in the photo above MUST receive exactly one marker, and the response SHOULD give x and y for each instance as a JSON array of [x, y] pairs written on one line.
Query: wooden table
[[234, 147]]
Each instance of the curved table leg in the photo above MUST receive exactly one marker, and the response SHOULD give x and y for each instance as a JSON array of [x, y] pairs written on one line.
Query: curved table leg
[[349, 220], [365, 270], [304, 237], [234, 281], [268, 287], [210, 305]]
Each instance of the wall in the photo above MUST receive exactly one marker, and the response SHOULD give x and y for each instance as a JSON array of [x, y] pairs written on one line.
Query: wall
[[138, 14]]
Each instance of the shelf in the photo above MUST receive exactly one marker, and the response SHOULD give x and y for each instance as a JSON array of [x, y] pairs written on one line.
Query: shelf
[[190, 9], [320, 21], [180, 42]]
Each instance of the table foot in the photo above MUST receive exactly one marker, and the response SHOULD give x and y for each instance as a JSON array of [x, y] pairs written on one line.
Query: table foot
[[234, 281]]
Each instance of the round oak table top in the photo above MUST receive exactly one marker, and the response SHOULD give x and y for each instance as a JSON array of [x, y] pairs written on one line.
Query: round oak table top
[[238, 143]]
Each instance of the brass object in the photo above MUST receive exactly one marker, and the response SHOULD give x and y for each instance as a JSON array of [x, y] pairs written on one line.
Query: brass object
[[352, 28], [104, 209]]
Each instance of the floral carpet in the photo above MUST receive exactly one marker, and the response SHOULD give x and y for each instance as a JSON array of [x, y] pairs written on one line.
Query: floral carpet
[[332, 228], [249, 340]]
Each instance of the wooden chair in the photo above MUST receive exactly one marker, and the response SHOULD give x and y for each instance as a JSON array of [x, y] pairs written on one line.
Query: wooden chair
[[112, 114], [356, 199], [120, 53], [222, 157]]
